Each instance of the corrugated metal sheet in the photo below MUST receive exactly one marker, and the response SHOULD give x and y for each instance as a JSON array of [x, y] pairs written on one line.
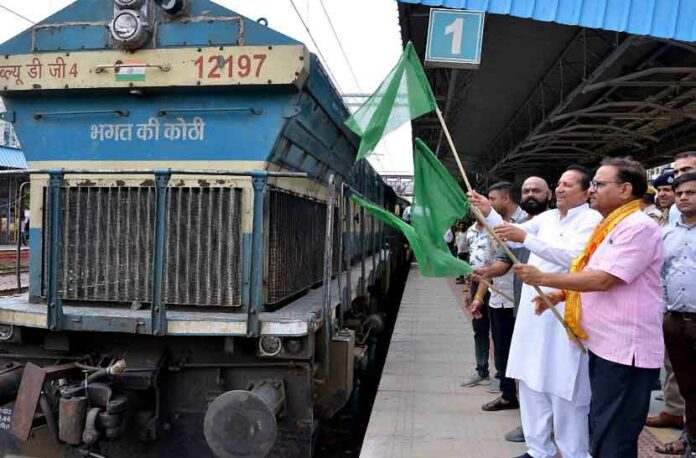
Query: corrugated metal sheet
[[12, 158], [674, 19]]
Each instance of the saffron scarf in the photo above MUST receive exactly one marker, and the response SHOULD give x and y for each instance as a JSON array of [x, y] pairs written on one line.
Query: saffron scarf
[[573, 305]]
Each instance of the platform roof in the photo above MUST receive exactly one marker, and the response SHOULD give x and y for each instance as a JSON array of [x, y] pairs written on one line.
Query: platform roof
[[658, 18], [547, 95]]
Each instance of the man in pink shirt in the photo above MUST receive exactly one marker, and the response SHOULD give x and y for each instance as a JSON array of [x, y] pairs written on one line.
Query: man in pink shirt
[[618, 309]]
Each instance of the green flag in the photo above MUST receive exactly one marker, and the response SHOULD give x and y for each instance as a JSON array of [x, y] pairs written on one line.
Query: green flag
[[432, 260], [438, 201], [404, 95]]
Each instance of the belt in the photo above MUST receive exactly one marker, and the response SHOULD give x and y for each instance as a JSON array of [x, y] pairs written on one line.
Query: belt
[[686, 316]]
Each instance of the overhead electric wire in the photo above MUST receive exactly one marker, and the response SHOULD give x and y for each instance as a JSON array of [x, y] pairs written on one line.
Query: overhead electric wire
[[377, 157], [16, 13], [340, 45], [316, 45]]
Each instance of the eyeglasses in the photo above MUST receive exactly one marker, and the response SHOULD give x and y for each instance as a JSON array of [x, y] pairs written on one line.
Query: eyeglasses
[[683, 170], [594, 184]]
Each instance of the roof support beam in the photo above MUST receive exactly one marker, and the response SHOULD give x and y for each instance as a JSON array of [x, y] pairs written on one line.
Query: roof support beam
[[564, 103], [607, 139], [595, 128], [617, 141], [554, 151], [629, 80], [593, 111], [578, 135]]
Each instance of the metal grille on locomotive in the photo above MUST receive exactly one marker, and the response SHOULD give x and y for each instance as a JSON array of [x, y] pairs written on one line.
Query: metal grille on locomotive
[[107, 242], [296, 235]]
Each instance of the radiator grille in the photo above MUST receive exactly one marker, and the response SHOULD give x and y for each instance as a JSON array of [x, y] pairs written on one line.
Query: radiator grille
[[203, 247], [295, 255], [107, 245]]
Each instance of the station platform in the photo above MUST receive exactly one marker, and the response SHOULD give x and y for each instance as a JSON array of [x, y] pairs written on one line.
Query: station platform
[[420, 409]]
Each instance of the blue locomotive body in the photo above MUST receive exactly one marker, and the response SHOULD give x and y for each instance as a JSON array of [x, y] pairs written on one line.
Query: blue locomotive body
[[190, 182]]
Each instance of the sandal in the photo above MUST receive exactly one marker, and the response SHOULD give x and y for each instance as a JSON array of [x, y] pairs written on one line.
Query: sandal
[[500, 404], [676, 447]]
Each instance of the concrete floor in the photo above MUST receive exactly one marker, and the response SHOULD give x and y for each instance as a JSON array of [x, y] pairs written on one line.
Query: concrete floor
[[420, 409]]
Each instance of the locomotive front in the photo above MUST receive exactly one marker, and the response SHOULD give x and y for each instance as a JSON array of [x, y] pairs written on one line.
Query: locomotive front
[[180, 219]]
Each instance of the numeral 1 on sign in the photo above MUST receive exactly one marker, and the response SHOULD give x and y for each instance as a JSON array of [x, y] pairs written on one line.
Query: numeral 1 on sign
[[456, 28]]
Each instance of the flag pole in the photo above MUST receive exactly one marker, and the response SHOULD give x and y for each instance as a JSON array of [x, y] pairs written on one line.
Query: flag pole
[[493, 288], [481, 219]]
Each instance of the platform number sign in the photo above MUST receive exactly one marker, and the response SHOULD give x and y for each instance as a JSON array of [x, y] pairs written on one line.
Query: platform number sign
[[454, 38]]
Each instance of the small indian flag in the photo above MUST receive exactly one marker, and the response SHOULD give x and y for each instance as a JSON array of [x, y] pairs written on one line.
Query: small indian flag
[[131, 70]]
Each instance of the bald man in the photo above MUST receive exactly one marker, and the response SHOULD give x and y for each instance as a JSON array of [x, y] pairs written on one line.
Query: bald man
[[536, 197]]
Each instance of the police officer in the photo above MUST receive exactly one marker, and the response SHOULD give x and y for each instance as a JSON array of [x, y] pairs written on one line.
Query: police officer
[[665, 194]]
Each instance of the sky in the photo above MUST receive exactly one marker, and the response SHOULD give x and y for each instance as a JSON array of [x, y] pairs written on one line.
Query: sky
[[368, 31]]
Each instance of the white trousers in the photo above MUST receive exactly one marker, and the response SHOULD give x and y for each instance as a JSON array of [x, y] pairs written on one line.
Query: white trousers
[[545, 416]]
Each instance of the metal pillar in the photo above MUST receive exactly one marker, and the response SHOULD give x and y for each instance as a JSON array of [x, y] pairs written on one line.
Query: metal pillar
[[259, 179], [55, 305], [328, 267], [18, 258], [159, 309], [339, 277]]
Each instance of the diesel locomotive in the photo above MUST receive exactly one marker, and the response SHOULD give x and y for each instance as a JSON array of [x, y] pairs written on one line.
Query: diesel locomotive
[[200, 282]]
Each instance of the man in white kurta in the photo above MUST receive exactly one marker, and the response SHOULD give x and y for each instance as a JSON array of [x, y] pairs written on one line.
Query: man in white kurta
[[552, 372]]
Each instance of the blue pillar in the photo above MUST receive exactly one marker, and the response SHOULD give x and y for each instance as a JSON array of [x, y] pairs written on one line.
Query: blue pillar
[[258, 181], [159, 309], [54, 303]]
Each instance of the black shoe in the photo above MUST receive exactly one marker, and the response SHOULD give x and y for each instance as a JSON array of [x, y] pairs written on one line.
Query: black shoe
[[500, 404], [525, 455]]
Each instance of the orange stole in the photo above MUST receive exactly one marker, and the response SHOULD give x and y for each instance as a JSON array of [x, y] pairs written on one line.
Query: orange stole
[[573, 305]]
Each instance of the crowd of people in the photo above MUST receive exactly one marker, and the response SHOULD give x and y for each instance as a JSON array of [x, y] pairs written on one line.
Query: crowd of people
[[616, 258]]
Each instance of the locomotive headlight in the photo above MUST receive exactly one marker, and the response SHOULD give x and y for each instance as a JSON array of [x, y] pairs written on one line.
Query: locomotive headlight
[[125, 25], [129, 3], [6, 331], [293, 346], [270, 345], [172, 6], [129, 30]]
